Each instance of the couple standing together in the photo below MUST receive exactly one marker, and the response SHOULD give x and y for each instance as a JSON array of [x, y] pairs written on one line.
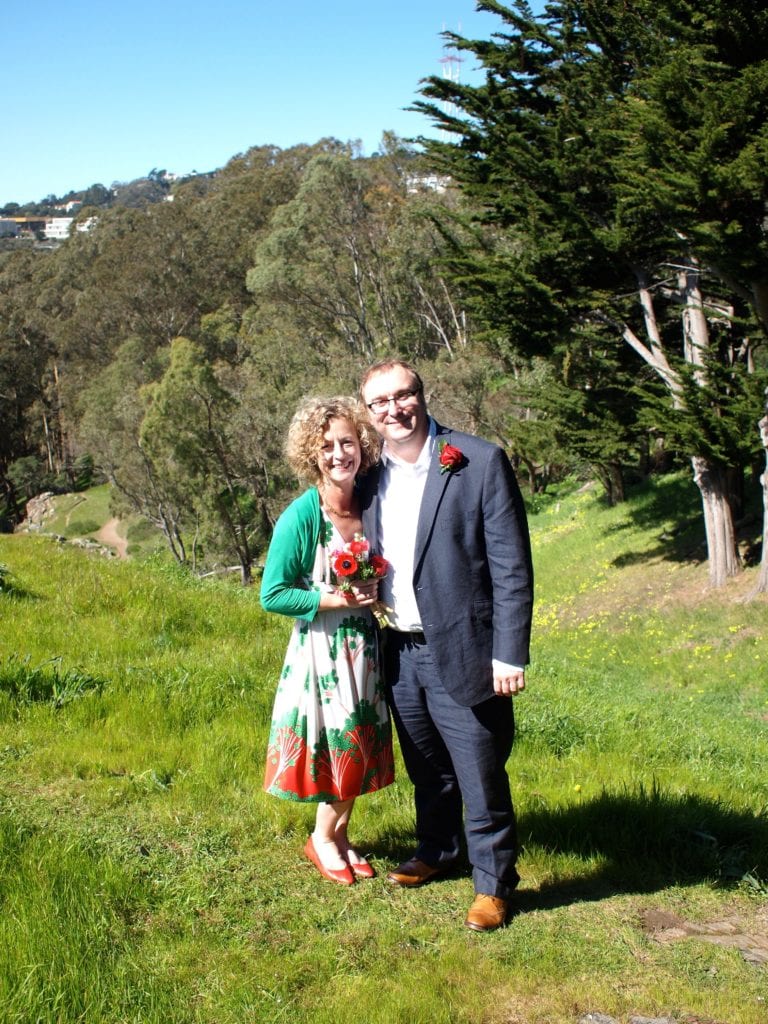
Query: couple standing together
[[444, 510]]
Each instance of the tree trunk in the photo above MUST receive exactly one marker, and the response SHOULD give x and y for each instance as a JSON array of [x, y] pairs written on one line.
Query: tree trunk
[[711, 479], [762, 579], [612, 478], [531, 471], [12, 505], [718, 521], [173, 537], [616, 473]]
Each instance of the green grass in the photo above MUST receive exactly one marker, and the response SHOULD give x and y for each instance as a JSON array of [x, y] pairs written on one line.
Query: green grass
[[73, 513], [81, 515], [144, 875]]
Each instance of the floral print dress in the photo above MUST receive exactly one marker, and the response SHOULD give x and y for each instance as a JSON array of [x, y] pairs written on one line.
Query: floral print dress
[[331, 737]]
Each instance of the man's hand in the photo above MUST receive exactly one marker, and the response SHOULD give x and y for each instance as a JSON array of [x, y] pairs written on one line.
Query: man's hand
[[507, 684]]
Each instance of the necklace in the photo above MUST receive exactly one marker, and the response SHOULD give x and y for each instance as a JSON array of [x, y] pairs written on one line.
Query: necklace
[[337, 511]]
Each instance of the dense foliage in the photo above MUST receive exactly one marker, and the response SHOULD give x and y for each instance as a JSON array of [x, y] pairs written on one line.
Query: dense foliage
[[578, 263], [169, 344], [616, 159]]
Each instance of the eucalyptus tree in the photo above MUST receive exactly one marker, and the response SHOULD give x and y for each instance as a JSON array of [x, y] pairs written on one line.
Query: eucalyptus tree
[[145, 277], [238, 204], [616, 154], [30, 416], [323, 257], [162, 338], [192, 435], [138, 273], [113, 406], [349, 260]]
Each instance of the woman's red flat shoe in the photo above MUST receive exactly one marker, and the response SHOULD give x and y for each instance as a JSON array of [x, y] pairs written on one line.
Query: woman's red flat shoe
[[363, 869], [343, 877]]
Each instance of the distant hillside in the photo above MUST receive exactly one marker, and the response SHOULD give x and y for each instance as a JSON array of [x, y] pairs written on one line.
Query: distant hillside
[[155, 187]]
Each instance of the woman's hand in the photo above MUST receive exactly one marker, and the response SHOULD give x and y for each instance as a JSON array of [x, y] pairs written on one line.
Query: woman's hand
[[365, 591], [362, 594]]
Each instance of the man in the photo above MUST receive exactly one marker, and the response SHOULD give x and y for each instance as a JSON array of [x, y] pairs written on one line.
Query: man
[[447, 514]]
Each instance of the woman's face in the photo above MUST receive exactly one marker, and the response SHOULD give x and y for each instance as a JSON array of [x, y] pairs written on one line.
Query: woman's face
[[339, 458]]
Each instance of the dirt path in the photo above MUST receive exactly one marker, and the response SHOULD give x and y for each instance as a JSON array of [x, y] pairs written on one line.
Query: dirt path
[[109, 536]]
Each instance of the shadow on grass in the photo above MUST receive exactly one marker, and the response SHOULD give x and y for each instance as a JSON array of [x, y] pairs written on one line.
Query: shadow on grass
[[672, 504], [632, 842], [645, 841], [10, 587], [686, 546]]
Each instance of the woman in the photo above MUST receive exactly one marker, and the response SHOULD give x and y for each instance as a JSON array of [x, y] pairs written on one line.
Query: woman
[[330, 739]]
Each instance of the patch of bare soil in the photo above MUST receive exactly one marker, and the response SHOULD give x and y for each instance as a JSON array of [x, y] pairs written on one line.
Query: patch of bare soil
[[109, 537], [751, 939]]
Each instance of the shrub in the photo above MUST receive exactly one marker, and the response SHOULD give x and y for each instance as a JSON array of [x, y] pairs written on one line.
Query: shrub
[[82, 527]]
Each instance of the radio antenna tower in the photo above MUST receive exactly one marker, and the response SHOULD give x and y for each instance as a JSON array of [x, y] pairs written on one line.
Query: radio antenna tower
[[451, 62]]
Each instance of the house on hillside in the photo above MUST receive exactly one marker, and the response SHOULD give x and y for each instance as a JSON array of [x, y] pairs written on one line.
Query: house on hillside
[[71, 207], [29, 225], [58, 227], [86, 225], [427, 183]]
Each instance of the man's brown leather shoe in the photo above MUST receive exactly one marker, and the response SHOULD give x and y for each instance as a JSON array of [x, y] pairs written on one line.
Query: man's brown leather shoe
[[486, 913], [413, 872]]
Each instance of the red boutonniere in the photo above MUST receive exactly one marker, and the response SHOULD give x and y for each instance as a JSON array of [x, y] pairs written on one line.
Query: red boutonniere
[[451, 457]]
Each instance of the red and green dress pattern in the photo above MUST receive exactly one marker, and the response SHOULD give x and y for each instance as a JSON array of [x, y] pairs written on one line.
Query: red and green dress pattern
[[331, 737]]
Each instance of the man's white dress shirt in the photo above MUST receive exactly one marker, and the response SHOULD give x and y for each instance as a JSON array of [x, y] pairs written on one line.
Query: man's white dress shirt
[[401, 488]]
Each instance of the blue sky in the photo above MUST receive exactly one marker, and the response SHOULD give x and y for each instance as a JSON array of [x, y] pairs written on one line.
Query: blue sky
[[96, 92]]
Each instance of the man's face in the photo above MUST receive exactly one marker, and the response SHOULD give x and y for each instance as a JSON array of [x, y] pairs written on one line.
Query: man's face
[[401, 416]]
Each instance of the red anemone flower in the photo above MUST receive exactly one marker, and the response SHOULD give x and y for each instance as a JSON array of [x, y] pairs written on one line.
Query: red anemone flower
[[379, 565], [344, 564]]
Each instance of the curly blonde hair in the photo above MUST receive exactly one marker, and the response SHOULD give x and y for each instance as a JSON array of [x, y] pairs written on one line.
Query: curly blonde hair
[[310, 422]]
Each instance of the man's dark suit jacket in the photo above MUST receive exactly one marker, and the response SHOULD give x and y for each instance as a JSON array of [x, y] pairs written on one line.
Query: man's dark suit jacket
[[473, 574]]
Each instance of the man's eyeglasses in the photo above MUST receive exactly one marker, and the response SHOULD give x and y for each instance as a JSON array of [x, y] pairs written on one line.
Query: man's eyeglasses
[[380, 405]]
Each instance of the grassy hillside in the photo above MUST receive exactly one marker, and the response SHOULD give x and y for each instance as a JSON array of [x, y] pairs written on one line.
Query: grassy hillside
[[144, 876], [87, 516]]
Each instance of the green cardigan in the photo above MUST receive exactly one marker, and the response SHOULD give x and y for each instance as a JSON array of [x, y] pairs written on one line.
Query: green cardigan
[[290, 559]]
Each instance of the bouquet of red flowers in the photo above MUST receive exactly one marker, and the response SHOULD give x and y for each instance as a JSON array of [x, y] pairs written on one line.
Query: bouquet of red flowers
[[354, 562]]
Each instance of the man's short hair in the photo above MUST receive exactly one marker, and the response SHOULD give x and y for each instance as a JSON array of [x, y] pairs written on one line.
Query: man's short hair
[[383, 365]]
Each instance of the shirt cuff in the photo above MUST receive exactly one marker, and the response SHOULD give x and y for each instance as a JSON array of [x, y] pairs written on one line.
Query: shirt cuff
[[501, 668]]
